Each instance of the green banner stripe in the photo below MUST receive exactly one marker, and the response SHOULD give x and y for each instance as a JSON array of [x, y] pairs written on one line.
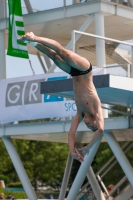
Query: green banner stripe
[[21, 43], [19, 32], [21, 24]]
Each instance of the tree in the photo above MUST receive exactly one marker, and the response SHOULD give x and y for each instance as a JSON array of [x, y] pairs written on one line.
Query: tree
[[6, 167], [44, 161], [119, 108]]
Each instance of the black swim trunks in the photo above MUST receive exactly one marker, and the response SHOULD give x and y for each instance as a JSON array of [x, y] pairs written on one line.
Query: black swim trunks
[[76, 72]]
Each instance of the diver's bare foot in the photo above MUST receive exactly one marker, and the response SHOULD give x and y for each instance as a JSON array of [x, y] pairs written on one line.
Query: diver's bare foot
[[29, 36]]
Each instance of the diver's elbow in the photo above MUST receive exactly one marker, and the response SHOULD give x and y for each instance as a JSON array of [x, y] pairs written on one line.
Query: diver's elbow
[[100, 129]]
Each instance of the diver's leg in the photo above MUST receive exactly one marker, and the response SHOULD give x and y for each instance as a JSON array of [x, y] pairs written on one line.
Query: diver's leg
[[55, 57], [69, 57]]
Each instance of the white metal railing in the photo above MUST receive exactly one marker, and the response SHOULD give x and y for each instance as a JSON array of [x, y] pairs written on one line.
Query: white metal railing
[[118, 54]]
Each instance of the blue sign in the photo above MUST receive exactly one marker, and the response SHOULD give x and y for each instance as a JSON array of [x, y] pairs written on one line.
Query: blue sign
[[50, 98]]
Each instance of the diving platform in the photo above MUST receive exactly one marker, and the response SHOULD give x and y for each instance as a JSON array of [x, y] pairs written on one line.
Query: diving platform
[[113, 90]]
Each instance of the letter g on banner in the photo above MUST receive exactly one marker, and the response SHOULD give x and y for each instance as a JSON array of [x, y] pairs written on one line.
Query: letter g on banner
[[14, 94]]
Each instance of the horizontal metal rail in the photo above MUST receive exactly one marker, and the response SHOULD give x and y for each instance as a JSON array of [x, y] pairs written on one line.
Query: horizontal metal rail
[[110, 160], [116, 161], [104, 38]]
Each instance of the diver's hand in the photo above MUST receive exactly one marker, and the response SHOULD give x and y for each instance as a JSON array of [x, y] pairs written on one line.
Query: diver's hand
[[85, 150], [77, 157], [29, 36]]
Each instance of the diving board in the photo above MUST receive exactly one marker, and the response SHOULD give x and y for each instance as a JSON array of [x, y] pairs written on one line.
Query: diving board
[[113, 90]]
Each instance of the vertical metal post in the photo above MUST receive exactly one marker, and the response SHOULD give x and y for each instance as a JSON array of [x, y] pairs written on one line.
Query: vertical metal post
[[131, 70], [19, 168], [100, 44], [73, 40], [2, 55], [83, 171], [122, 159], [132, 62], [128, 71], [2, 9], [100, 47], [66, 177], [64, 2]]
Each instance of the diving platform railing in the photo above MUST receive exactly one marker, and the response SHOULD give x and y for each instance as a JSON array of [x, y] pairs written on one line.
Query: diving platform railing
[[42, 5], [30, 6], [86, 190]]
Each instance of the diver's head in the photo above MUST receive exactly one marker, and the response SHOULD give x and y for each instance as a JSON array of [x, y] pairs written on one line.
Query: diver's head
[[90, 122]]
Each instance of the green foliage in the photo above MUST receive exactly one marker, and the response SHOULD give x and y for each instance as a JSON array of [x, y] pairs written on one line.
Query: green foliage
[[75, 168], [104, 153], [15, 185], [6, 166], [119, 108], [5, 178], [17, 195], [44, 162]]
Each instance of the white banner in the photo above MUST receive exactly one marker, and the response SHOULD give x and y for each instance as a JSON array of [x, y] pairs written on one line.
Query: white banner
[[21, 99]]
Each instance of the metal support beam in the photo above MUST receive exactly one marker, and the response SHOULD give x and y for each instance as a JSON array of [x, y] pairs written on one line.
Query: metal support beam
[[2, 9], [66, 177], [130, 2], [117, 1], [112, 165], [76, 1], [41, 62], [83, 171], [60, 127], [118, 185], [100, 44], [122, 159], [82, 28], [131, 74], [2, 55], [19, 168], [126, 193], [110, 160], [47, 60], [100, 47], [92, 179], [28, 6], [94, 184], [69, 45]]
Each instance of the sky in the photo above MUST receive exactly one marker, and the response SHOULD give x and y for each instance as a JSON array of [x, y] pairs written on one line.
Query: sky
[[18, 67]]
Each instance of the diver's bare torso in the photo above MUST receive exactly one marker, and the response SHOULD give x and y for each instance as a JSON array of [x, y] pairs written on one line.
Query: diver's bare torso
[[85, 95]]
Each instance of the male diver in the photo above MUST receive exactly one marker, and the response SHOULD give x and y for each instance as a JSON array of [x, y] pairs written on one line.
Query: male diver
[[85, 95]]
